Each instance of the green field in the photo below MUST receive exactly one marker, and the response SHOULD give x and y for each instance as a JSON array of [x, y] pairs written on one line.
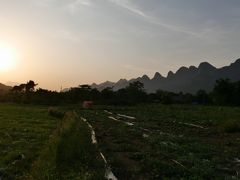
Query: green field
[[161, 142], [35, 145], [170, 141], [23, 131]]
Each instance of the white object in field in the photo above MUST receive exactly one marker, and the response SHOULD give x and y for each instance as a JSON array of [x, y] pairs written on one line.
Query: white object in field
[[144, 129], [125, 116], [145, 135], [19, 158], [108, 112], [93, 134], [127, 123], [83, 119], [94, 140], [103, 157], [113, 118], [164, 133], [176, 162], [193, 125], [237, 160], [108, 173]]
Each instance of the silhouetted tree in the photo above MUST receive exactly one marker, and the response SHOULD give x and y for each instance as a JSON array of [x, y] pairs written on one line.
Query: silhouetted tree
[[223, 92], [20, 88], [30, 86], [85, 87], [136, 86], [135, 92], [107, 93], [202, 97], [166, 97], [237, 93]]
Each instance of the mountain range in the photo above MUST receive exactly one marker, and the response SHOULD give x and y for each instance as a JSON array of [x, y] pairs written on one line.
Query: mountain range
[[186, 79]]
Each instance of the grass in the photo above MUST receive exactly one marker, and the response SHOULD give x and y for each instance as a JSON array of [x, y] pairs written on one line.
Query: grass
[[23, 131], [70, 154]]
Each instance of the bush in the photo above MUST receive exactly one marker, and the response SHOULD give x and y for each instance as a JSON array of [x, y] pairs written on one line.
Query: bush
[[231, 126], [53, 111]]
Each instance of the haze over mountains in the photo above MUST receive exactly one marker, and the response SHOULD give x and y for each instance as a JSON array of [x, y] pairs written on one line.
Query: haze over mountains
[[186, 79]]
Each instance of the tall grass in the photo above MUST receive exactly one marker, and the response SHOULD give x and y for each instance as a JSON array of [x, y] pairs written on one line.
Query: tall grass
[[69, 154]]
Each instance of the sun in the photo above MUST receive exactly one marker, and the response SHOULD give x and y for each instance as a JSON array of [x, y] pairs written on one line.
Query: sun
[[7, 57]]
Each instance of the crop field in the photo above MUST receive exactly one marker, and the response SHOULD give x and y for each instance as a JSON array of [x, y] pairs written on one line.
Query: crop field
[[147, 141], [169, 141], [37, 145], [23, 131]]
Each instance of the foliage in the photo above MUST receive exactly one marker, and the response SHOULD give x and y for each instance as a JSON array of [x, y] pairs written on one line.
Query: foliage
[[225, 92], [202, 97], [28, 87]]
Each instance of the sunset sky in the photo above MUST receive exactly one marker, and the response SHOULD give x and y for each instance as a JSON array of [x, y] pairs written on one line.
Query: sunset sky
[[70, 42]]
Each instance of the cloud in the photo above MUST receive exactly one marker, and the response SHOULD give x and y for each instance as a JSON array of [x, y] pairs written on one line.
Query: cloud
[[74, 37], [85, 2], [73, 6], [82, 2], [128, 5]]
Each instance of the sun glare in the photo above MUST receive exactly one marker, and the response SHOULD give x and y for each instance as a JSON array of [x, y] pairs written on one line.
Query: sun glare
[[7, 57]]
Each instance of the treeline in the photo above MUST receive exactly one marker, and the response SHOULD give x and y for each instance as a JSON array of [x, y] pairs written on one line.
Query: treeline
[[224, 92]]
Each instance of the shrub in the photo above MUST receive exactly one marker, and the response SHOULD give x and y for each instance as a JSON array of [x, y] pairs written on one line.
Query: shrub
[[231, 126], [53, 111]]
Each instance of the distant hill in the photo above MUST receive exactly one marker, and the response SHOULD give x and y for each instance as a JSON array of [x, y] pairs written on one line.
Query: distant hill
[[186, 79], [10, 83], [4, 88]]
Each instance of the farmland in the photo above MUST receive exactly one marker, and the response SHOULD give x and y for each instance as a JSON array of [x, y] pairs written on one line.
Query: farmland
[[23, 131], [35, 145], [147, 141], [177, 141]]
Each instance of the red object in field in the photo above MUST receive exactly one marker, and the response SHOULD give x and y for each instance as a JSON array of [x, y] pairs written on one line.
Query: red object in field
[[87, 104]]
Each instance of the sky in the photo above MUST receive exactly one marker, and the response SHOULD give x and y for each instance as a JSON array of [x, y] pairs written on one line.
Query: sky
[[64, 43]]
